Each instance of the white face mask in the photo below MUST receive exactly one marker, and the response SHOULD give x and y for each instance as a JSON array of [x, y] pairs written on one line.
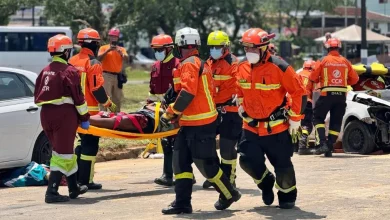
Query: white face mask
[[160, 56], [252, 57], [215, 53]]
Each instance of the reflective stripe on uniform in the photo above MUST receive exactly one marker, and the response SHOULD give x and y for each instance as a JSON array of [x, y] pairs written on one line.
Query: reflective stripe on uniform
[[335, 133], [82, 109], [245, 85], [93, 108], [199, 116], [92, 159], [207, 92], [185, 175], [325, 77], [285, 190], [83, 80], [176, 80], [333, 89], [60, 101], [266, 87], [346, 77], [319, 126], [217, 181], [261, 180], [292, 113], [221, 77], [305, 81], [65, 163], [304, 131], [233, 164], [274, 123]]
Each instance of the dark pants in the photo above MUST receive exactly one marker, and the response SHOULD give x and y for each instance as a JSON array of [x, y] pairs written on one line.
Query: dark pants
[[167, 144], [229, 130], [197, 144], [86, 157], [307, 126], [335, 104], [279, 150]]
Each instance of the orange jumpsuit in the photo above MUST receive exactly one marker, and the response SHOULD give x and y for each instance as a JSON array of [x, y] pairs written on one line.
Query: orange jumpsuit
[[195, 141], [264, 87], [333, 73], [229, 122]]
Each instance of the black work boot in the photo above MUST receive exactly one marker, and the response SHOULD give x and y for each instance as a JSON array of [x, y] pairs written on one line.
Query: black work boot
[[329, 152], [207, 184], [75, 189], [172, 209], [94, 186], [52, 195], [223, 204], [287, 200], [322, 149], [266, 187], [302, 145], [84, 174], [164, 180]]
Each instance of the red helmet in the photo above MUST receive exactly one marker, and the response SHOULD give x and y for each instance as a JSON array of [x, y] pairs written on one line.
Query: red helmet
[[59, 43], [333, 43], [114, 32], [162, 40], [88, 35], [255, 37], [309, 64]]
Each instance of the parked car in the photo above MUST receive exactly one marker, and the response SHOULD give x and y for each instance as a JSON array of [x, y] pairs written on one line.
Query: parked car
[[21, 134], [139, 61]]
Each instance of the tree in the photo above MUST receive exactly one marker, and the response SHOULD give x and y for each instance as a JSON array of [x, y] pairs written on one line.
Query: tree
[[9, 7]]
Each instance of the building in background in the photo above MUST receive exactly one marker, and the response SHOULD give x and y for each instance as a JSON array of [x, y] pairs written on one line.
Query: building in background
[[378, 6]]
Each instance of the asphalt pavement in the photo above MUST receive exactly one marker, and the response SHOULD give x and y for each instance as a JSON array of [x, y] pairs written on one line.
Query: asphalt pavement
[[342, 187]]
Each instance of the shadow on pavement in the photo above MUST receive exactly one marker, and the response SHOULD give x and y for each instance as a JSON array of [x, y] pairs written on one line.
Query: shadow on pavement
[[86, 201], [345, 156], [274, 213], [105, 190], [198, 214]]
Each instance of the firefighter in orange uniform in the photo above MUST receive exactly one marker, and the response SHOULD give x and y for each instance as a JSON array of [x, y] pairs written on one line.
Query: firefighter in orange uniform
[[307, 121], [197, 114], [92, 87], [224, 68], [264, 82], [57, 90], [334, 73]]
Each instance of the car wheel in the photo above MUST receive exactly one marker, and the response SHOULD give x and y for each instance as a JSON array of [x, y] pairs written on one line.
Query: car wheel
[[42, 150], [358, 138]]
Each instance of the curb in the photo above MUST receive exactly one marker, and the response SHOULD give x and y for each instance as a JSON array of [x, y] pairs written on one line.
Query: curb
[[128, 153]]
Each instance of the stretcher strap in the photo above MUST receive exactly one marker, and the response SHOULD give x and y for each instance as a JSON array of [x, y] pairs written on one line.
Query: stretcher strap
[[135, 123], [156, 116]]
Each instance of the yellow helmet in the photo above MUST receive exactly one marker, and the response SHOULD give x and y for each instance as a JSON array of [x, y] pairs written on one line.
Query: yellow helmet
[[218, 38]]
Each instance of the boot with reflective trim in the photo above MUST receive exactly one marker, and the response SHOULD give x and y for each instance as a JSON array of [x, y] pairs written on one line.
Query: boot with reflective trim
[[223, 204], [86, 172], [266, 186], [172, 209], [75, 189], [52, 195], [287, 200], [302, 144]]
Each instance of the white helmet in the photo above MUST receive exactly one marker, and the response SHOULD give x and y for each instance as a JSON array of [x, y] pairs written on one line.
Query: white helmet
[[187, 36]]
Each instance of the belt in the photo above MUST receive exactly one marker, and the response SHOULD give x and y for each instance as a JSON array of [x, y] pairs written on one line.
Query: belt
[[221, 106], [112, 73]]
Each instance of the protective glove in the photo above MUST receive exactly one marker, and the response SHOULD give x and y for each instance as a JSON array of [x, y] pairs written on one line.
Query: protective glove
[[294, 126], [112, 107], [166, 119], [85, 125]]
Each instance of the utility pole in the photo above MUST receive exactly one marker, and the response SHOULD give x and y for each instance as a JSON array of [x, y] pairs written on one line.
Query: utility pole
[[356, 12], [345, 14], [33, 15], [280, 17], [363, 48]]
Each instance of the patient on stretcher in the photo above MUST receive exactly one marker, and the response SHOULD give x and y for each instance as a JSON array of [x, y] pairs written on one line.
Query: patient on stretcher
[[145, 120]]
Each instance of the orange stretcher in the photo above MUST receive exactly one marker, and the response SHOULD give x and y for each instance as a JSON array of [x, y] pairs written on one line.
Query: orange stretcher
[[103, 132]]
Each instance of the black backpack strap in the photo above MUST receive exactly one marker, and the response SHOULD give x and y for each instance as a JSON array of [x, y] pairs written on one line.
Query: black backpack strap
[[201, 67]]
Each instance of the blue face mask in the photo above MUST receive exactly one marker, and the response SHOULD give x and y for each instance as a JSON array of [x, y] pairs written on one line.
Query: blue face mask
[[215, 53], [160, 56]]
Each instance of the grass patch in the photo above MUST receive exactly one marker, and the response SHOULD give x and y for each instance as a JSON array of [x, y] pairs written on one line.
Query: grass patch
[[135, 96], [134, 74]]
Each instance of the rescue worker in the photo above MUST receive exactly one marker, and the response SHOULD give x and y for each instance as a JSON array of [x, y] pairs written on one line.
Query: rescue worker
[[307, 123], [57, 90], [224, 68], [334, 73], [264, 81], [195, 142], [112, 57], [92, 87], [161, 78]]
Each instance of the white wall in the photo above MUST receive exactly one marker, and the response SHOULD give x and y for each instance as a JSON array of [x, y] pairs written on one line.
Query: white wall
[[381, 25]]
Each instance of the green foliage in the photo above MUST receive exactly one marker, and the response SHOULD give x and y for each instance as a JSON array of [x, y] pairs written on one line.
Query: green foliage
[[9, 7]]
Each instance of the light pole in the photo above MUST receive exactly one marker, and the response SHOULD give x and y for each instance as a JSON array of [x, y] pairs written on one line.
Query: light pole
[[363, 48]]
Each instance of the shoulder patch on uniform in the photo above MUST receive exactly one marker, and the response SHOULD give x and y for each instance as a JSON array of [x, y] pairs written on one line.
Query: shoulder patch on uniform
[[229, 59], [190, 59], [283, 65], [93, 60]]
